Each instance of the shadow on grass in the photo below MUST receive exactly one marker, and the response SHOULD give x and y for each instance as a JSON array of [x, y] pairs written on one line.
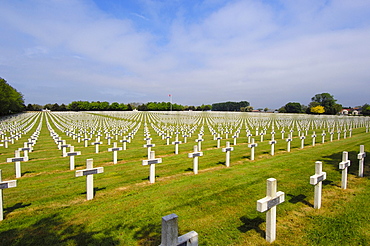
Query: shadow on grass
[[252, 224], [329, 182], [96, 189], [299, 198], [189, 170], [148, 235], [336, 158], [53, 230], [148, 178], [16, 206], [221, 163], [24, 173]]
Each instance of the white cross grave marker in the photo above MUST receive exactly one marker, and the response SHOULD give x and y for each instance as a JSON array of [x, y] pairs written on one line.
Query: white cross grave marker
[[17, 163], [252, 146], [195, 156], [218, 138], [228, 149], [268, 204], [176, 143], [344, 166], [115, 149], [72, 153], [361, 156], [4, 185], [313, 138], [151, 162], [89, 172], [97, 143], [124, 142], [316, 180], [288, 140], [86, 139], [149, 146], [199, 141], [64, 147], [170, 235], [272, 142], [323, 134], [25, 150]]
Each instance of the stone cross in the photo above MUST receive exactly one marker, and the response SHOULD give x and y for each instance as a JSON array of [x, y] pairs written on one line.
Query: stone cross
[[29, 145], [199, 141], [176, 143], [6, 142], [288, 140], [124, 142], [313, 138], [185, 136], [218, 138], [338, 134], [17, 163], [195, 156], [252, 146], [109, 138], [361, 156], [4, 185], [72, 153], [151, 162], [168, 139], [115, 149], [249, 135], [149, 146], [235, 137], [89, 172], [25, 150], [228, 149], [268, 204], [272, 142], [64, 147], [170, 235], [282, 134], [316, 180], [344, 164], [323, 134], [86, 141], [262, 134], [97, 143], [331, 136]]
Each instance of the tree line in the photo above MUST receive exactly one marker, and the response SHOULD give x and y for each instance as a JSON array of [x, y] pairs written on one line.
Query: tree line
[[323, 103], [230, 106], [115, 106], [11, 101]]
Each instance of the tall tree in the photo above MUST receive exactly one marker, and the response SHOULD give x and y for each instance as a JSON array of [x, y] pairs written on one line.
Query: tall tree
[[11, 101], [328, 102], [293, 107]]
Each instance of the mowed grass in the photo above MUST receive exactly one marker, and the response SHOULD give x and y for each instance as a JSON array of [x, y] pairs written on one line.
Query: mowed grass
[[49, 207]]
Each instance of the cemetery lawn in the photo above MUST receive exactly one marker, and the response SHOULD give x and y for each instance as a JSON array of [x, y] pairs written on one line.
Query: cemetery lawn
[[49, 207]]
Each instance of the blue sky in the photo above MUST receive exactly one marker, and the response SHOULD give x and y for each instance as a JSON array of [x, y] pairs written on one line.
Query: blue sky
[[267, 52]]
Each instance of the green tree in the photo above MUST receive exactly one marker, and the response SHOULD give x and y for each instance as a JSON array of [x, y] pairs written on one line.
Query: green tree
[[293, 107], [328, 102], [55, 107], [366, 109], [11, 101]]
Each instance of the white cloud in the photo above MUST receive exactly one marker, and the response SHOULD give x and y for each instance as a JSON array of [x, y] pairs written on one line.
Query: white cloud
[[268, 54]]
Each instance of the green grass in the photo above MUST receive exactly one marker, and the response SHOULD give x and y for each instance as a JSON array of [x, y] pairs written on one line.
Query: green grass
[[49, 204]]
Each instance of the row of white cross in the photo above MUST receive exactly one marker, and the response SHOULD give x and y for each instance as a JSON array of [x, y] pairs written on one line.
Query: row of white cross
[[169, 236]]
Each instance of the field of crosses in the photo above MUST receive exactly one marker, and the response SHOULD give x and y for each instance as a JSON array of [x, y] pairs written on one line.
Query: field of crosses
[[137, 154]]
